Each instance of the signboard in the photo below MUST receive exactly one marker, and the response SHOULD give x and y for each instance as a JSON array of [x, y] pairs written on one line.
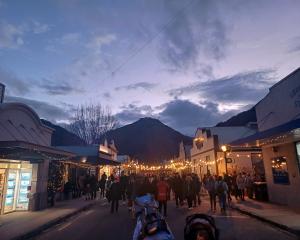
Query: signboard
[[229, 160], [280, 171], [2, 89]]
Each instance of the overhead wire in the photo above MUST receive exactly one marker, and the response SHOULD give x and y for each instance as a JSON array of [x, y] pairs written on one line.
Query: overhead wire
[[150, 40]]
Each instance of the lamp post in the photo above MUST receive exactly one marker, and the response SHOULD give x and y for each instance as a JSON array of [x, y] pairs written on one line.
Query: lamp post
[[224, 149]]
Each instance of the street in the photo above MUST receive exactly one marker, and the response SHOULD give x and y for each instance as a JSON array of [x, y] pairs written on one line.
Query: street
[[98, 223]]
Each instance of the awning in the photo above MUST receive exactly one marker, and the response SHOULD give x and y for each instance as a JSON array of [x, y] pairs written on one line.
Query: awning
[[24, 151], [284, 128], [88, 155]]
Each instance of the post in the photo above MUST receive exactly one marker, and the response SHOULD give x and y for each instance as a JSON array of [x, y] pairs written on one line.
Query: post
[[225, 157]]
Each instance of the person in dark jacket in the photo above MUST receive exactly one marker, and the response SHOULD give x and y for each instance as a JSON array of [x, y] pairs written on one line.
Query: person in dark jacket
[[115, 195], [197, 186], [102, 184], [123, 185], [144, 187], [94, 186], [67, 190], [87, 187], [189, 191], [178, 189], [131, 191]]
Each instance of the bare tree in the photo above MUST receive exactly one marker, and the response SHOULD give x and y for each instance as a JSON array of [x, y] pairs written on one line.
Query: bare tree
[[91, 121]]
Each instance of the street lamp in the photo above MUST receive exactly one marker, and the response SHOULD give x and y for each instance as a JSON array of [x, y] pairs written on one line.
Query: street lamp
[[225, 149]]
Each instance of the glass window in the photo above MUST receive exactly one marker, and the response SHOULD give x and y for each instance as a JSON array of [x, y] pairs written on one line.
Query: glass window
[[280, 170]]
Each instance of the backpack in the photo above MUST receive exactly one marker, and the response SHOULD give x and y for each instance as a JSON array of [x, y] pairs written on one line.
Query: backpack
[[154, 224], [220, 188]]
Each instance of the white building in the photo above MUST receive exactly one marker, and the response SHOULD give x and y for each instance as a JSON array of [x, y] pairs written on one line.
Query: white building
[[207, 156], [278, 117]]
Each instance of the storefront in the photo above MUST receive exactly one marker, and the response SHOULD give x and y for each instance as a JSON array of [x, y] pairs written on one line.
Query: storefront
[[25, 154], [93, 160], [15, 183], [278, 117]]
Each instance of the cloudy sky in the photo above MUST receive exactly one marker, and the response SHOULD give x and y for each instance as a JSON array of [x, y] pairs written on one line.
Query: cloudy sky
[[190, 63]]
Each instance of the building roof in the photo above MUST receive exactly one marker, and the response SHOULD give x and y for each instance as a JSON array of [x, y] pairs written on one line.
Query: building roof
[[229, 134], [90, 153], [284, 128], [285, 78], [25, 151], [278, 83]]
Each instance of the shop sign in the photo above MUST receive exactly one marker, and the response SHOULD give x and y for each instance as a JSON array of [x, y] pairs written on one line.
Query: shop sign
[[280, 171]]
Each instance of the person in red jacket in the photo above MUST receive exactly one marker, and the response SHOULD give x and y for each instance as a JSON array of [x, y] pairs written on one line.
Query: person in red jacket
[[162, 190]]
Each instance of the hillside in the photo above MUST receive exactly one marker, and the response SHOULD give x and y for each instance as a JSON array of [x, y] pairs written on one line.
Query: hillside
[[62, 137], [241, 119], [147, 140]]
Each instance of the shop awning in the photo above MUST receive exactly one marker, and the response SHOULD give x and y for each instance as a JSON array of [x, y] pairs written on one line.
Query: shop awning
[[89, 155], [24, 151], [284, 128]]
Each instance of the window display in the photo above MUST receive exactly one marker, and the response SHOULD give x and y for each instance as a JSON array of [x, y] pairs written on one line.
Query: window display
[[280, 170], [10, 191], [16, 188], [25, 182]]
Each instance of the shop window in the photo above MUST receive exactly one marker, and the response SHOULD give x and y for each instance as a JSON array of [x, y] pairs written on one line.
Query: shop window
[[280, 171]]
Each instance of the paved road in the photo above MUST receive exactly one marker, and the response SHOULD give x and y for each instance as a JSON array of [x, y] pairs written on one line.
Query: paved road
[[98, 224]]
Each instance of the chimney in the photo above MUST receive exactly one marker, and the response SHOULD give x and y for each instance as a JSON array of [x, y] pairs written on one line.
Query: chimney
[[2, 90]]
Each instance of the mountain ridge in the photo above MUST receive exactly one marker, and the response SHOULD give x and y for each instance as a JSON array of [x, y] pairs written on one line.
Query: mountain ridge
[[148, 140]]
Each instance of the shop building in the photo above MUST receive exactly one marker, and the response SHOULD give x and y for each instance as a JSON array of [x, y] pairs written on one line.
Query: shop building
[[207, 155], [278, 117], [93, 159], [25, 153], [182, 163]]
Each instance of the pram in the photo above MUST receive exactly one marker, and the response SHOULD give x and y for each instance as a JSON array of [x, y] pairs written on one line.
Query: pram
[[150, 224]]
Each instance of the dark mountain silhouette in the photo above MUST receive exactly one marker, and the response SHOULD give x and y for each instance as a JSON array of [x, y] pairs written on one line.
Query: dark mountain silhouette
[[62, 137], [148, 140], [241, 119]]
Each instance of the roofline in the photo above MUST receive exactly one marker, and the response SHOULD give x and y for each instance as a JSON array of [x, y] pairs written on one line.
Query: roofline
[[48, 149], [282, 80], [35, 116], [276, 84]]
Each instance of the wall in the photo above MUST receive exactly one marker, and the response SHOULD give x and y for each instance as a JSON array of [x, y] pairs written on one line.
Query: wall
[[278, 193], [272, 110], [203, 152], [39, 183], [241, 162]]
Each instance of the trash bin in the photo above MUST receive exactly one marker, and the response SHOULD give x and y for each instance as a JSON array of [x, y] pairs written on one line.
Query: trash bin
[[261, 191]]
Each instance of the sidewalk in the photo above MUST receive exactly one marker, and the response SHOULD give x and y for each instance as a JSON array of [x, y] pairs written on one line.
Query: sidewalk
[[22, 225], [277, 215]]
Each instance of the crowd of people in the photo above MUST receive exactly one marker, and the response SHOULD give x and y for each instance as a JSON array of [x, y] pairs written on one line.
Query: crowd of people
[[185, 189]]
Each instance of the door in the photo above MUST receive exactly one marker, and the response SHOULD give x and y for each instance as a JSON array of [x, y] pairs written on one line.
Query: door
[[2, 184], [11, 190], [23, 190]]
